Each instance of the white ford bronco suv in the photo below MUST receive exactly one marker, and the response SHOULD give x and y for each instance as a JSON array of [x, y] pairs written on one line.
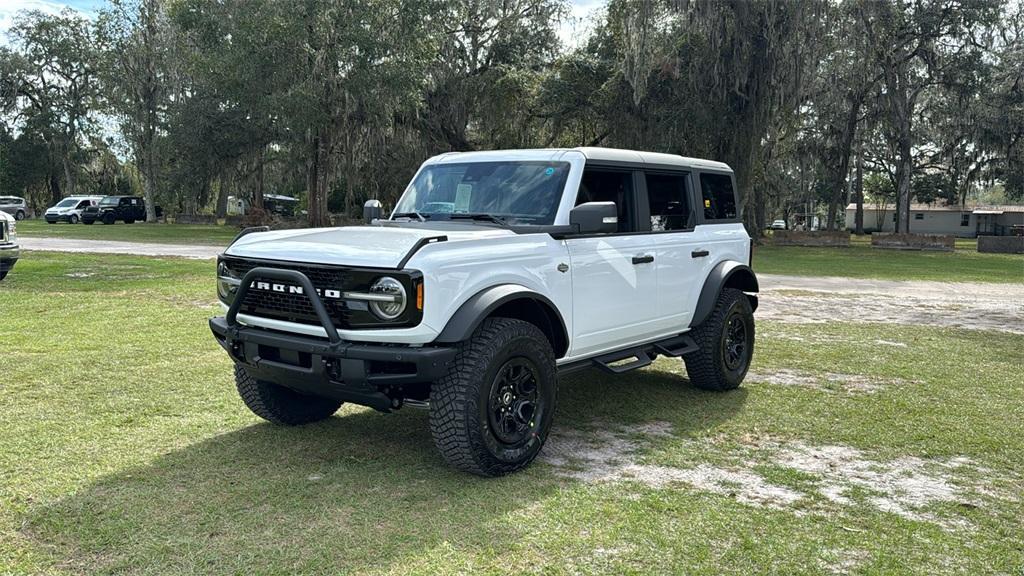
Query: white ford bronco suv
[[496, 273]]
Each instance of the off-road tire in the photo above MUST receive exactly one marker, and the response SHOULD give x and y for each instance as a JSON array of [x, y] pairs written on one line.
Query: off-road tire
[[281, 405], [707, 367], [108, 219], [459, 402]]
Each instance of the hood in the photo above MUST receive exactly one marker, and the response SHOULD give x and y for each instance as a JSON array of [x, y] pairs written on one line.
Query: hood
[[362, 246], [4, 216]]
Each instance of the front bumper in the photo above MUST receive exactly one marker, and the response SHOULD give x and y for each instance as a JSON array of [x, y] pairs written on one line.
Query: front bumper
[[51, 218], [375, 375], [9, 254]]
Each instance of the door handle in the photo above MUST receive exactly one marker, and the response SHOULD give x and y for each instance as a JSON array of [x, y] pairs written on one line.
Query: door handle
[[699, 253], [646, 259]]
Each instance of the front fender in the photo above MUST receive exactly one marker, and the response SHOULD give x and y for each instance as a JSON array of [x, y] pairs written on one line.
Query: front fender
[[474, 311]]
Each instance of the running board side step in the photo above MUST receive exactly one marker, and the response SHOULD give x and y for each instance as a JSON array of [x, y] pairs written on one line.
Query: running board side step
[[642, 356]]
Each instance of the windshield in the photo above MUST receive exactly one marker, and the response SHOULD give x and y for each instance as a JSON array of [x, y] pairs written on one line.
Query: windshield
[[109, 201], [516, 192], [67, 203]]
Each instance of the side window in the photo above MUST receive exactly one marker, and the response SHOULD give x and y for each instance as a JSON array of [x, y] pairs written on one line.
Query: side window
[[669, 202], [718, 196], [609, 186], [83, 204]]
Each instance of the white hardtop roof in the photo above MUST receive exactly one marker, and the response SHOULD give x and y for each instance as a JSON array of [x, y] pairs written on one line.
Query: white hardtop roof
[[598, 154]]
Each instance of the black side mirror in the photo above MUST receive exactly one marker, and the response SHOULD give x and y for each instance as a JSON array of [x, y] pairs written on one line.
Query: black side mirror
[[371, 211], [595, 218]]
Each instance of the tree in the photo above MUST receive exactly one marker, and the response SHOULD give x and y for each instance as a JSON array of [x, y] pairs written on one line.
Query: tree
[[137, 80], [842, 86], [914, 47], [52, 84], [704, 79]]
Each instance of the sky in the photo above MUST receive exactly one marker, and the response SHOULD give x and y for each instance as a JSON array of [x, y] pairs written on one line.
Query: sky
[[8, 8], [572, 32]]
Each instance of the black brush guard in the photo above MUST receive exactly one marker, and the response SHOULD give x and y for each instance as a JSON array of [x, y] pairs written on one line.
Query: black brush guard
[[374, 375]]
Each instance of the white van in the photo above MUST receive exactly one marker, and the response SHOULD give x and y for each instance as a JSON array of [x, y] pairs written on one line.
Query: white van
[[70, 209]]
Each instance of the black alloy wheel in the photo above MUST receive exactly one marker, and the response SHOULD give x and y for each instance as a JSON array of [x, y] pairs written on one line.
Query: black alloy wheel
[[514, 404], [734, 341]]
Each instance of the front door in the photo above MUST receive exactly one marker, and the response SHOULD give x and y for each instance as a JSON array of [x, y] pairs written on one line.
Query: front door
[[614, 276]]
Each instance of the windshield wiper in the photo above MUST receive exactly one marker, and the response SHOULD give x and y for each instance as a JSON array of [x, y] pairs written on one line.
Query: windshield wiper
[[482, 217], [412, 214]]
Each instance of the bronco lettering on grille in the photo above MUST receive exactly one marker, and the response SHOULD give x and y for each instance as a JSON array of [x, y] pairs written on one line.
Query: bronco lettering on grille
[[290, 289]]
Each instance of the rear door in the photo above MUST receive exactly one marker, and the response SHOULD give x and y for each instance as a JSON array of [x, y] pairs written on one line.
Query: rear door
[[668, 204], [614, 279]]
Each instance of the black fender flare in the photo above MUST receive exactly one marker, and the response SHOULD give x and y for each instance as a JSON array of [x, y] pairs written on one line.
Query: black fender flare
[[728, 273], [474, 311]]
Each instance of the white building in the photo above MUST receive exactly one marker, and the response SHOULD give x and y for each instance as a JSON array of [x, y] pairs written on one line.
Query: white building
[[966, 222]]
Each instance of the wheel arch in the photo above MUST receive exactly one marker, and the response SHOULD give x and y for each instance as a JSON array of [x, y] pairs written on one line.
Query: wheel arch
[[508, 301], [726, 274]]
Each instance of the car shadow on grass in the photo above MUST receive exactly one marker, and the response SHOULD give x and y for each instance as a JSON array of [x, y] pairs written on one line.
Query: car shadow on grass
[[359, 492]]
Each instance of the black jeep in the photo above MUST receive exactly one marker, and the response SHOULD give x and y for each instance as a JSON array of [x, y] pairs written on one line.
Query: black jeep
[[110, 209]]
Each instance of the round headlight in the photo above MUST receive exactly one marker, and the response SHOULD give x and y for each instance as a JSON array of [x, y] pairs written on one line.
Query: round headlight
[[392, 308]]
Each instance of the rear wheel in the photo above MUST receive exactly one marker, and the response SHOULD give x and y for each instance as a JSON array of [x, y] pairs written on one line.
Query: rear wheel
[[281, 405], [73, 219], [19, 215], [492, 413], [725, 343]]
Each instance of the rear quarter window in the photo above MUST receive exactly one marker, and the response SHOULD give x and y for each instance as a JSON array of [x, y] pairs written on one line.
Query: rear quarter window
[[719, 197]]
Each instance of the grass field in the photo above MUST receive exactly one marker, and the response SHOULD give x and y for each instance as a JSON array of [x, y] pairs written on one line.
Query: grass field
[[138, 232], [862, 261], [867, 449]]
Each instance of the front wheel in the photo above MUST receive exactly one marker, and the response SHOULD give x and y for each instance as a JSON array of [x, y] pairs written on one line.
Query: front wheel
[[282, 405], [725, 343], [19, 215], [492, 412], [109, 219]]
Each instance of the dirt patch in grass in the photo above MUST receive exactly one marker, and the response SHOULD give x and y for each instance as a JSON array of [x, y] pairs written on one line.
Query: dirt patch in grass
[[843, 561], [975, 306], [829, 382], [832, 475]]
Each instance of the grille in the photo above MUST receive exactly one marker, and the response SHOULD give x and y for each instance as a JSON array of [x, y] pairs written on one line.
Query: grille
[[294, 307]]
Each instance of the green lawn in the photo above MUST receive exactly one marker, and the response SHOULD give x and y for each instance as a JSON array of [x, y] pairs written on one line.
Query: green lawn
[[138, 232], [862, 261], [126, 450]]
